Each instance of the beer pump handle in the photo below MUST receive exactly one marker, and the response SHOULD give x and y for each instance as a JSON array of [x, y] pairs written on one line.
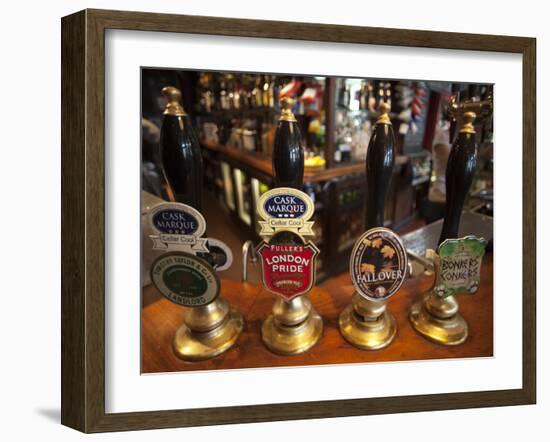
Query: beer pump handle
[[461, 167], [180, 152], [288, 153], [380, 161]]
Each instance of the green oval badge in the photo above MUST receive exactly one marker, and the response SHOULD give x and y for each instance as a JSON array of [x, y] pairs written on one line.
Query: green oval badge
[[185, 279]]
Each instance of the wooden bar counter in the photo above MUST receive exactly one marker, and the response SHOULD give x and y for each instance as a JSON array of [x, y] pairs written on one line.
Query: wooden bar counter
[[161, 318]]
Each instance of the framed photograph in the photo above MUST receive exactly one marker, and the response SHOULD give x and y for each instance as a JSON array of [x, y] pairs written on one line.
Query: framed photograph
[[268, 220]]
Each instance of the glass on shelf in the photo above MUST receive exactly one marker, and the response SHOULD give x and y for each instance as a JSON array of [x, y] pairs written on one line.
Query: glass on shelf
[[353, 132], [258, 189], [243, 195], [357, 100], [228, 188]]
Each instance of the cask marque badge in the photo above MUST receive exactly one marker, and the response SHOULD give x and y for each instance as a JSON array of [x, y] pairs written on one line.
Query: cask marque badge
[[378, 264], [459, 265], [185, 279], [285, 208], [178, 227], [288, 267]]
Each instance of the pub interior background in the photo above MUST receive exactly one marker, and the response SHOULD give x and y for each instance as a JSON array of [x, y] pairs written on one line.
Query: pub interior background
[[235, 115]]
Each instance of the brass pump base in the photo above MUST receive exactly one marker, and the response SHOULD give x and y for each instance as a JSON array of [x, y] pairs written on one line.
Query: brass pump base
[[293, 327], [207, 331], [438, 320], [367, 324]]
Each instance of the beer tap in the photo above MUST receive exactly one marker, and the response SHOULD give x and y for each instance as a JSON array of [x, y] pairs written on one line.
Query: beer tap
[[180, 152], [184, 274], [378, 263], [288, 259], [436, 316]]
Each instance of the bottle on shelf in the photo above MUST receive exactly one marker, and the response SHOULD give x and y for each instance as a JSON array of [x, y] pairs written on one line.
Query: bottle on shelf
[[267, 92], [206, 93], [342, 151], [224, 99], [363, 96], [257, 100], [343, 95]]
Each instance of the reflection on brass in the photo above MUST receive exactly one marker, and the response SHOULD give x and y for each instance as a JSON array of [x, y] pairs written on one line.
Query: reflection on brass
[[437, 318], [293, 327], [483, 109], [207, 331], [286, 110], [173, 98], [248, 250], [432, 317], [384, 117], [419, 265], [367, 324], [468, 123]]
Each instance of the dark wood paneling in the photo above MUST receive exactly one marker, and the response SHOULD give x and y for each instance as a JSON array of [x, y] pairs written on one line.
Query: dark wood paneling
[[73, 218], [195, 24], [529, 220], [95, 220], [83, 218]]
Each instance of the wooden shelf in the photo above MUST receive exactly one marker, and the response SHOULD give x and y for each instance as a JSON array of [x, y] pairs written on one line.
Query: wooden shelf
[[263, 163]]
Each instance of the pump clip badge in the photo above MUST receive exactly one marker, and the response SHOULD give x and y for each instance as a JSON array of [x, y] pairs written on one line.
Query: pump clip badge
[[459, 265], [185, 279], [288, 268], [285, 208], [378, 264], [178, 227]]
